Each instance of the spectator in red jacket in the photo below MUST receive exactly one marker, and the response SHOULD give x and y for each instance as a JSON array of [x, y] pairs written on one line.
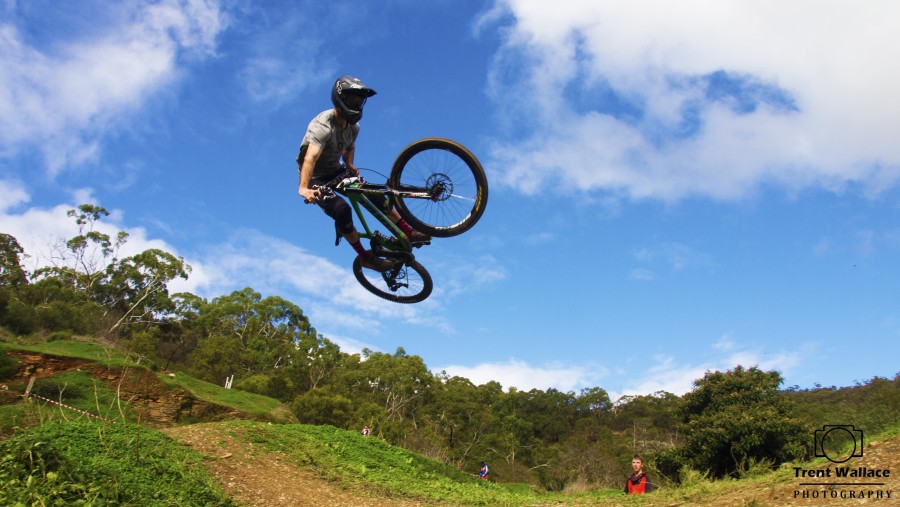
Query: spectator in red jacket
[[639, 482]]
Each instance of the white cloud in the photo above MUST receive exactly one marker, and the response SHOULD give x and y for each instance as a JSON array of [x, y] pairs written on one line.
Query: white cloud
[[329, 294], [663, 373], [725, 343], [642, 275], [540, 238], [670, 376], [62, 97], [12, 193], [668, 100], [673, 256], [273, 72], [525, 377], [349, 345], [462, 274], [42, 232], [274, 266]]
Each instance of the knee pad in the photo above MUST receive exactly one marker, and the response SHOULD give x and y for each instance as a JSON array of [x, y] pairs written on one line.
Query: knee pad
[[343, 222]]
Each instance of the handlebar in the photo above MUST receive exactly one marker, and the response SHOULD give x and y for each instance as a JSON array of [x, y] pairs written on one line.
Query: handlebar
[[326, 190]]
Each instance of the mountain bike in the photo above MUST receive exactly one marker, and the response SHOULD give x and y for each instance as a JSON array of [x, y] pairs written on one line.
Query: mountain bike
[[438, 187]]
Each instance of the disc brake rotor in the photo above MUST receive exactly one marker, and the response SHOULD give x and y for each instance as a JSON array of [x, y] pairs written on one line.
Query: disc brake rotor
[[440, 186]]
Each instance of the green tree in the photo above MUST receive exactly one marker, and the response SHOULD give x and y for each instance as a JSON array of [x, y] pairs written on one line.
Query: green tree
[[551, 412], [263, 335], [593, 454], [401, 383], [86, 274], [315, 359], [11, 272], [82, 263], [137, 287], [50, 304], [592, 402], [215, 359], [323, 407], [181, 330], [460, 413], [736, 418], [12, 276], [513, 437], [144, 342]]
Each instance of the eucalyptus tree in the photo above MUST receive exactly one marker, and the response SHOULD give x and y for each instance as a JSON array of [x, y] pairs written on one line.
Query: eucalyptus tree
[[461, 413], [12, 274], [267, 333]]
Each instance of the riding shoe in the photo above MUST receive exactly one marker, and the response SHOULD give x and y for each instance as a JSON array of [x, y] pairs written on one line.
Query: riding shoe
[[418, 239], [370, 261]]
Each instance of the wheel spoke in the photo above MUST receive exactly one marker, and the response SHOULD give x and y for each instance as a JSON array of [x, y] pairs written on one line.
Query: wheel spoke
[[451, 175], [410, 284]]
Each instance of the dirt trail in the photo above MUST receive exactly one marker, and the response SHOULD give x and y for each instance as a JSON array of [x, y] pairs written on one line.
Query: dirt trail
[[263, 478]]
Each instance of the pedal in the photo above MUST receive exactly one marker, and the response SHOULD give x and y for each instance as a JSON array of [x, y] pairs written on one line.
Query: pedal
[[392, 244]]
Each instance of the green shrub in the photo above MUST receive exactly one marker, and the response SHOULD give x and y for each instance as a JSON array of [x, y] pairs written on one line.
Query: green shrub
[[670, 463], [144, 343], [64, 388], [78, 463], [734, 418], [8, 366], [257, 384], [60, 335], [79, 390]]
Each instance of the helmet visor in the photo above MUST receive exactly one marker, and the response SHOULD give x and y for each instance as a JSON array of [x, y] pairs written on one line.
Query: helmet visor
[[354, 101]]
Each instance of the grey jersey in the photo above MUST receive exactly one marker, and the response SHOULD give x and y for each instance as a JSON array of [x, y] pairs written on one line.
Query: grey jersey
[[325, 132]]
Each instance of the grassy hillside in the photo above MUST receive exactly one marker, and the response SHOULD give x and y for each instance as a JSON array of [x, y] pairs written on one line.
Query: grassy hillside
[[93, 463], [63, 462], [54, 456], [101, 378], [89, 351], [57, 455]]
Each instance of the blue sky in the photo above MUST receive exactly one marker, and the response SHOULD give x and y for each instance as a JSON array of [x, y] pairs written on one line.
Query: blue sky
[[676, 187]]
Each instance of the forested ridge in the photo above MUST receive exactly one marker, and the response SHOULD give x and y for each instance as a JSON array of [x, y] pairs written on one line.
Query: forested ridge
[[731, 422]]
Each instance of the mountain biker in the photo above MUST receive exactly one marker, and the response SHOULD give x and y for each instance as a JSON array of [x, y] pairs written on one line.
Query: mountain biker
[[331, 137]]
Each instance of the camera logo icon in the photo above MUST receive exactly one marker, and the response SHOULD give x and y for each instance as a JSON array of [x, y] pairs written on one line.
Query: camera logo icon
[[839, 442]]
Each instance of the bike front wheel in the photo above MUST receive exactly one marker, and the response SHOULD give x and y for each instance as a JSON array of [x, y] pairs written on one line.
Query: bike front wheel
[[406, 282], [442, 187]]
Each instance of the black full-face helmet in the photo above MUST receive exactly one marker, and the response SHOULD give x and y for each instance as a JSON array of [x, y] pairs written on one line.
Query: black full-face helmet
[[349, 96]]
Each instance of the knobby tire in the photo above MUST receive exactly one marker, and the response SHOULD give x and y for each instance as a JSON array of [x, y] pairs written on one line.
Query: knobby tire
[[421, 284], [437, 161]]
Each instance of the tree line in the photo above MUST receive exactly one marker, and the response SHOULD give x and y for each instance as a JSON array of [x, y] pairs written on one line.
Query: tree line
[[731, 421]]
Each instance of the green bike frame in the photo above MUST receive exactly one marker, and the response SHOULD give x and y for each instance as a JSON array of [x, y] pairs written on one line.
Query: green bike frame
[[356, 193]]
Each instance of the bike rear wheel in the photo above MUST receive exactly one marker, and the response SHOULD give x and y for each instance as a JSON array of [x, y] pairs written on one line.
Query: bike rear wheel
[[407, 282], [453, 178]]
